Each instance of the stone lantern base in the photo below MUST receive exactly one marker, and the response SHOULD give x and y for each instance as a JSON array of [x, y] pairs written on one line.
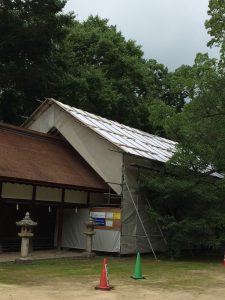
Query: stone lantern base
[[23, 261], [88, 254]]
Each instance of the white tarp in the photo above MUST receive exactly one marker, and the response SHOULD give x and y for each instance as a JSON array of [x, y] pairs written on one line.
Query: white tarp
[[74, 227], [73, 233], [106, 240]]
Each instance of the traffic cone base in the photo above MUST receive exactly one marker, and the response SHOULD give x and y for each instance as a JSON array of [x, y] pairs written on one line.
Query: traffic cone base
[[137, 271], [136, 278], [104, 281], [108, 288]]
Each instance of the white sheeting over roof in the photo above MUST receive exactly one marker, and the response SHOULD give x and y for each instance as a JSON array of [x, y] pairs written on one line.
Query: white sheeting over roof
[[128, 139]]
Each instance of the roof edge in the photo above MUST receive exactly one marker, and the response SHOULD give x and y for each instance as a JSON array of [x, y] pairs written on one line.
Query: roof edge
[[51, 184], [39, 110], [31, 132], [75, 119]]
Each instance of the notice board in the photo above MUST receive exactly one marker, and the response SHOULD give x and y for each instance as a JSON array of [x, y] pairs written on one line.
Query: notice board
[[106, 217]]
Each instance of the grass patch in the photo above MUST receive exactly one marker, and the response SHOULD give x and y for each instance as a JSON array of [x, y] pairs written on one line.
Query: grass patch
[[161, 274]]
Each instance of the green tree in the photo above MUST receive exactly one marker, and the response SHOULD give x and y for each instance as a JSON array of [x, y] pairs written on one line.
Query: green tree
[[189, 208], [216, 25], [187, 198], [30, 32], [188, 83], [90, 65], [108, 75], [187, 195], [199, 127]]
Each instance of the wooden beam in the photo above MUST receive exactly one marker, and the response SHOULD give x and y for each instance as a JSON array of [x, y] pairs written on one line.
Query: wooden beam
[[60, 221], [48, 184]]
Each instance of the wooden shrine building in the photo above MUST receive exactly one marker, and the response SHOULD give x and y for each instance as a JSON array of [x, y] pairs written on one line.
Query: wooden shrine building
[[44, 175]]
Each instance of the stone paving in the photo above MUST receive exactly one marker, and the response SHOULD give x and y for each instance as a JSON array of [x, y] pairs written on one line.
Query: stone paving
[[41, 255]]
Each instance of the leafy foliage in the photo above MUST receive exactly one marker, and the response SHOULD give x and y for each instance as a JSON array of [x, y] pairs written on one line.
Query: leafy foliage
[[199, 128], [107, 75], [30, 32], [189, 209], [90, 65], [216, 25], [186, 199]]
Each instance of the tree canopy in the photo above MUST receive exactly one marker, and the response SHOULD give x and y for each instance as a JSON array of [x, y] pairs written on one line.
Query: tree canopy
[[216, 25], [47, 53], [188, 194], [30, 31]]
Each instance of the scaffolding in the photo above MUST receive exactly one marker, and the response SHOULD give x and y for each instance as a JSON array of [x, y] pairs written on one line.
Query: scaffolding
[[139, 214]]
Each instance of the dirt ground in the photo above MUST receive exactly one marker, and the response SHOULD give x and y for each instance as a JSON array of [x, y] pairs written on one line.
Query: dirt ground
[[62, 290], [75, 279]]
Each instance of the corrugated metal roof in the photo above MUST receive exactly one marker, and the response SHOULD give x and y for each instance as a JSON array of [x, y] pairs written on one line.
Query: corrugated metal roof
[[127, 139]]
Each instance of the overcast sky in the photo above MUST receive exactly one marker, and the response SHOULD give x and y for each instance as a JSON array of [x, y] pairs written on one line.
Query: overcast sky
[[170, 31]]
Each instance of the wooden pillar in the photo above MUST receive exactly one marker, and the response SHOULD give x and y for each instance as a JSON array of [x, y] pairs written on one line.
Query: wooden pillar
[[60, 221], [32, 212]]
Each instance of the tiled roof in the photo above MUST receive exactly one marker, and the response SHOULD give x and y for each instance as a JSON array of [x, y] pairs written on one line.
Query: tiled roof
[[27, 155]]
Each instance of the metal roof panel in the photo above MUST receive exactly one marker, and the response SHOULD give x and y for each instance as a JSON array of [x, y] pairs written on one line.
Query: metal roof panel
[[128, 139]]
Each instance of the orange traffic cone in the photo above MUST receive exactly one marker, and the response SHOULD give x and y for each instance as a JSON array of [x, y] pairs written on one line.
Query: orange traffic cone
[[104, 280]]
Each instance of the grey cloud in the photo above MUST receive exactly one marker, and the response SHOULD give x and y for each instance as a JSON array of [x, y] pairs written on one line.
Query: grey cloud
[[171, 31]]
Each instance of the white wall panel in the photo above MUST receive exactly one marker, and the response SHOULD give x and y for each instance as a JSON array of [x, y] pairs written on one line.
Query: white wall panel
[[101, 155], [44, 121]]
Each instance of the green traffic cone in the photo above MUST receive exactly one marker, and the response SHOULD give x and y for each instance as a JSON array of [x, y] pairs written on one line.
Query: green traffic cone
[[137, 270]]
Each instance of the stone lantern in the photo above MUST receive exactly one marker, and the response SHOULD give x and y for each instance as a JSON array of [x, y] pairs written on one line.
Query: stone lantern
[[26, 225], [89, 235]]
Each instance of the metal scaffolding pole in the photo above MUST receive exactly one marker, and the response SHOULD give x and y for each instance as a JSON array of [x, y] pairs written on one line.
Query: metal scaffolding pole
[[157, 224], [142, 224]]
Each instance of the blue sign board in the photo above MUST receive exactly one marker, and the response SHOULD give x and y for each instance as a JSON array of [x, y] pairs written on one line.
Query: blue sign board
[[99, 221]]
